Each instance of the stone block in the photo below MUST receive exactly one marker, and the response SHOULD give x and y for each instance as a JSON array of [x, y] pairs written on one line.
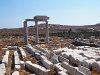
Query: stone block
[[84, 70], [5, 59], [71, 70], [96, 66], [39, 70], [2, 69], [15, 73], [59, 68], [47, 64], [62, 73], [62, 59], [22, 52], [16, 58], [76, 59], [41, 18], [37, 55], [54, 59], [30, 48], [88, 63]]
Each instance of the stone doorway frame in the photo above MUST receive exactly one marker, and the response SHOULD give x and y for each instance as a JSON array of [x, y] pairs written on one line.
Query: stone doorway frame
[[37, 19]]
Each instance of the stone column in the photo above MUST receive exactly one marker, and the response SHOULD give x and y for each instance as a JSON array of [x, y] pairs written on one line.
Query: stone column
[[37, 34], [26, 33], [47, 32]]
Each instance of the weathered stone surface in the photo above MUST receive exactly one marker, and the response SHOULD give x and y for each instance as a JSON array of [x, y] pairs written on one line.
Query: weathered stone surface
[[84, 70], [88, 63], [46, 52], [7, 52], [12, 47], [59, 68], [39, 70], [91, 54], [22, 64], [96, 66], [15, 73], [2, 69], [54, 59], [16, 60], [62, 73], [23, 54], [78, 51], [26, 33], [62, 59], [30, 49], [76, 59], [37, 55], [42, 57], [41, 18], [58, 51], [5, 59], [16, 57], [66, 54], [71, 70], [29, 20], [4, 49], [47, 64]]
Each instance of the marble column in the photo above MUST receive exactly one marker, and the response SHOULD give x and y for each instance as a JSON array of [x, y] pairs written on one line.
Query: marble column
[[37, 33], [26, 33], [47, 32]]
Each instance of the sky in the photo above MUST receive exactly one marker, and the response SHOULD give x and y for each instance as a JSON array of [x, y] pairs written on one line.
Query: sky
[[64, 12]]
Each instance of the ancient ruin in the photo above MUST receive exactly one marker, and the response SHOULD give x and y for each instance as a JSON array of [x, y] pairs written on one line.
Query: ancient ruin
[[36, 20], [57, 56]]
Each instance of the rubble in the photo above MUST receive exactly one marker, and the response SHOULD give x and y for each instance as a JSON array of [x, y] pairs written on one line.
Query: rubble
[[39, 70], [5, 57], [47, 64], [62, 73], [61, 59], [15, 73], [30, 49], [76, 59], [88, 63], [54, 58], [96, 66], [22, 52], [16, 60], [59, 68], [71, 70], [85, 70], [65, 61], [2, 69]]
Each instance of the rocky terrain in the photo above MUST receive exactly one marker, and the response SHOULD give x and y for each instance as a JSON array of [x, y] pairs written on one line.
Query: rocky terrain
[[54, 28], [58, 57], [39, 60]]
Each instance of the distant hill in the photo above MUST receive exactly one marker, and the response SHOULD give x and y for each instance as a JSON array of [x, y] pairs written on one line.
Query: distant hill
[[52, 27]]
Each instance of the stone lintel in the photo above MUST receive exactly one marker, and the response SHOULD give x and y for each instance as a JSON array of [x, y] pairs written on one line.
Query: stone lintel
[[41, 18], [29, 19]]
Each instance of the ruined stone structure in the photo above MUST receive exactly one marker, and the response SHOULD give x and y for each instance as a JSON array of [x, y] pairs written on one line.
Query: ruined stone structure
[[26, 30], [36, 20]]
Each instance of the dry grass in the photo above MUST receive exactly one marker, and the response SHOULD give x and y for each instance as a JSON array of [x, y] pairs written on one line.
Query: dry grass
[[23, 72], [8, 66], [95, 73], [1, 54], [55, 42]]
